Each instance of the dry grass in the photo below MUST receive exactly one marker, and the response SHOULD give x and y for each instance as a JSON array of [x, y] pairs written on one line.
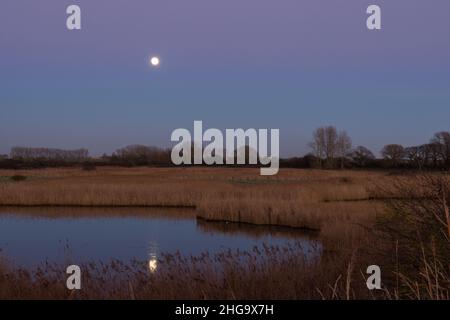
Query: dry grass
[[266, 273], [299, 198]]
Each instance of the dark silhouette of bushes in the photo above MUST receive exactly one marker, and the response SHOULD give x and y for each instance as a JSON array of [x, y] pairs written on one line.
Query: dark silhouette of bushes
[[331, 150], [17, 178], [88, 166]]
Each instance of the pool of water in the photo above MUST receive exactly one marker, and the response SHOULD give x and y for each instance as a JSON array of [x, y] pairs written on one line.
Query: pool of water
[[30, 237]]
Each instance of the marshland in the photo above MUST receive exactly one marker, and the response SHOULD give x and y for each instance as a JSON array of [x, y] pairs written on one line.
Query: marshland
[[96, 169], [302, 234]]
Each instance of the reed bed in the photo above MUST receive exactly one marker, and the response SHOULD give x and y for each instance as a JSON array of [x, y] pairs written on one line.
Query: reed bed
[[270, 272], [296, 198]]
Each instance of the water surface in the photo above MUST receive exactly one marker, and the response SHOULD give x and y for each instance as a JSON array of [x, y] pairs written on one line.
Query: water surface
[[32, 236]]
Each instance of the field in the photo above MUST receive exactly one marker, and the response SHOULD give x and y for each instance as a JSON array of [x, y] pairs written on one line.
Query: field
[[342, 206]]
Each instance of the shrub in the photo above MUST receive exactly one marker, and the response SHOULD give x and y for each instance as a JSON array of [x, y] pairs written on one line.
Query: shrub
[[18, 178], [88, 166], [345, 180]]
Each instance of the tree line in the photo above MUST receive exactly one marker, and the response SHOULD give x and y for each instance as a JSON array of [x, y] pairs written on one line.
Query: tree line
[[330, 149], [49, 153], [132, 155]]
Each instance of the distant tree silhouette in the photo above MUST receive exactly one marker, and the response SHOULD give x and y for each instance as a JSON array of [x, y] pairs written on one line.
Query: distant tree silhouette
[[417, 155], [328, 144], [442, 142], [318, 145], [343, 146], [140, 155], [393, 153], [362, 156], [48, 154]]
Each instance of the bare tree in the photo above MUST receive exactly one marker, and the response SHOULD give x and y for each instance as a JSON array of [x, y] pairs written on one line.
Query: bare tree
[[417, 155], [443, 139], [362, 156], [318, 144], [331, 136], [393, 153], [434, 153], [324, 145], [344, 145]]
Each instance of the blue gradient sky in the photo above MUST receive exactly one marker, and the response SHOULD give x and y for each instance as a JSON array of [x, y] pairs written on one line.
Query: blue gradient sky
[[288, 64]]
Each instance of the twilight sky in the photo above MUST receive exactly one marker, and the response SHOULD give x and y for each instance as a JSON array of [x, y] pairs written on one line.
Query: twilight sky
[[288, 64]]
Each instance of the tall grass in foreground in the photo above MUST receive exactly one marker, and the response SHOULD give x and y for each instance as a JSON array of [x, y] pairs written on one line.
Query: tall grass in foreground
[[417, 230], [266, 273]]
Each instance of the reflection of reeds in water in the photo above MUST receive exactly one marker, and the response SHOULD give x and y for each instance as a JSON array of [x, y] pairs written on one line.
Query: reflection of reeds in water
[[254, 231], [99, 212]]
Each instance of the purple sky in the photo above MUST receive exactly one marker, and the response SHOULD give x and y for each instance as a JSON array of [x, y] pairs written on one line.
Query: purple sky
[[288, 64]]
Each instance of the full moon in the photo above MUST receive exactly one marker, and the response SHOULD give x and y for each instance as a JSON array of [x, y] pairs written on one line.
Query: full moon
[[154, 61]]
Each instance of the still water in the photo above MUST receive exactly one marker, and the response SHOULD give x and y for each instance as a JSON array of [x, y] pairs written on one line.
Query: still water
[[29, 237]]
